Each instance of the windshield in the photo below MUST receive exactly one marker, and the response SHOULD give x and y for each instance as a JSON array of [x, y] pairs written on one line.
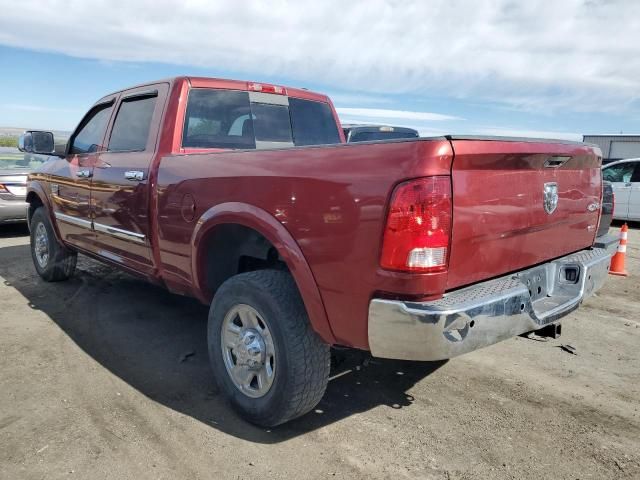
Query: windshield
[[14, 159]]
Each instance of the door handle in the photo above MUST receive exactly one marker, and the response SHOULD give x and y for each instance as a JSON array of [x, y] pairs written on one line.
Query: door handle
[[83, 174], [134, 175]]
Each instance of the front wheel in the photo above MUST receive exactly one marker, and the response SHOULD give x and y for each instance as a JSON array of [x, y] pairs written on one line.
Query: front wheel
[[266, 358], [53, 261]]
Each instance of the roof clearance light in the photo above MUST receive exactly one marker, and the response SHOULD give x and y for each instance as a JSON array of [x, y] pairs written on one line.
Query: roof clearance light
[[259, 87]]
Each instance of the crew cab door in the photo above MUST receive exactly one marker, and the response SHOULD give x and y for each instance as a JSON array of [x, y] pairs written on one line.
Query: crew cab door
[[120, 191], [71, 178], [620, 176]]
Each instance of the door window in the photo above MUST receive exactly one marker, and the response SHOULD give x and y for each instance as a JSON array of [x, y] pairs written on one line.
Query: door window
[[89, 137], [619, 173], [131, 128]]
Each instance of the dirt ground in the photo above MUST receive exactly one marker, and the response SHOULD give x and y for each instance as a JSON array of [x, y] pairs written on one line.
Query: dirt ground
[[105, 376]]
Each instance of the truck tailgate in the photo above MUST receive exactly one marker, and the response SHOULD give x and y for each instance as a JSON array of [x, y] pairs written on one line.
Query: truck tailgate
[[500, 223]]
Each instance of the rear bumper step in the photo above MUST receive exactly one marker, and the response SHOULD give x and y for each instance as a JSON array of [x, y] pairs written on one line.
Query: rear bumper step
[[485, 313]]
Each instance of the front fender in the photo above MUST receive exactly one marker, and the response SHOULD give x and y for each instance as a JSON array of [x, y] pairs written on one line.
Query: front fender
[[36, 190], [288, 249]]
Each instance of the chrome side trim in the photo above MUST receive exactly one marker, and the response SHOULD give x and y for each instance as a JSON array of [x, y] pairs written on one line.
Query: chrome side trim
[[119, 233], [486, 313], [73, 220]]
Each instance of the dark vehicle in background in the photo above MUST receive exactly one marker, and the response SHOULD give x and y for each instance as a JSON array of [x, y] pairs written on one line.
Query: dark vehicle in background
[[367, 133], [14, 168], [603, 238], [607, 208]]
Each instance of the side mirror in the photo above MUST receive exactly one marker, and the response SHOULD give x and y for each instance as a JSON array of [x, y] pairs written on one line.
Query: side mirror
[[38, 142]]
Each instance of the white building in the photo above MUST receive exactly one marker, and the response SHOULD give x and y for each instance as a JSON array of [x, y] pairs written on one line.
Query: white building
[[615, 147]]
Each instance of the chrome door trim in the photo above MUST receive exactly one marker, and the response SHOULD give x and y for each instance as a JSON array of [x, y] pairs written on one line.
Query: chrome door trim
[[74, 220], [119, 233]]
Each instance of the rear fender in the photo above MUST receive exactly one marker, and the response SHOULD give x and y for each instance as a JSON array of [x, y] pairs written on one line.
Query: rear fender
[[268, 226]]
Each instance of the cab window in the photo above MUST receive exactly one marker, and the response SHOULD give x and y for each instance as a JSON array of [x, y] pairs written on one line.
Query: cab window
[[232, 119], [218, 119], [88, 138]]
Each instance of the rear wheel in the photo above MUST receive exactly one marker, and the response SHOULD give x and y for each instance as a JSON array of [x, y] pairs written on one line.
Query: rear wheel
[[53, 261], [266, 358]]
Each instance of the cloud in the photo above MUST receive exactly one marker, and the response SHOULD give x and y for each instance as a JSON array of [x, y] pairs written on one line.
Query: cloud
[[379, 113], [576, 54], [511, 132]]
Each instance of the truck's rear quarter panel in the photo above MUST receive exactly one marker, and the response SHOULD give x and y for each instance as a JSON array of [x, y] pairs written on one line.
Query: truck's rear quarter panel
[[332, 199]]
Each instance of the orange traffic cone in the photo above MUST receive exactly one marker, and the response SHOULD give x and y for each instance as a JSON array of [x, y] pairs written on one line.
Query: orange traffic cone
[[617, 262]]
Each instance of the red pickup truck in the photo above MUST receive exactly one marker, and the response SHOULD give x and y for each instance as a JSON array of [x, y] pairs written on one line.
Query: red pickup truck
[[245, 196]]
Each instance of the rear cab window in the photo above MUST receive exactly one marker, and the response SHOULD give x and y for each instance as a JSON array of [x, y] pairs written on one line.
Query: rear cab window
[[234, 119]]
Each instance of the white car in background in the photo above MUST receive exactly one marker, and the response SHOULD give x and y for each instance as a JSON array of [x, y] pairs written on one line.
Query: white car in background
[[624, 176]]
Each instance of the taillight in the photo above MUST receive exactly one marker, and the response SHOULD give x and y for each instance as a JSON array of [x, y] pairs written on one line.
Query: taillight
[[416, 237]]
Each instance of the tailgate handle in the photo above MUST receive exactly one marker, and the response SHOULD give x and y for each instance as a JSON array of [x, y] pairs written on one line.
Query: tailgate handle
[[555, 162]]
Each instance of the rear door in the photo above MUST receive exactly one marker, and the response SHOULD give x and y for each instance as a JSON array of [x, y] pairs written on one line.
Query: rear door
[[518, 204], [120, 185], [620, 176], [71, 179]]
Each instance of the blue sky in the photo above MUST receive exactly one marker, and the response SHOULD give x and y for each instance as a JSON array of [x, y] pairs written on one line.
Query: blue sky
[[484, 67]]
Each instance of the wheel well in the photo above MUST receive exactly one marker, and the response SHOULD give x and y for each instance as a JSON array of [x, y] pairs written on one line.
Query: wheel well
[[34, 203], [231, 249]]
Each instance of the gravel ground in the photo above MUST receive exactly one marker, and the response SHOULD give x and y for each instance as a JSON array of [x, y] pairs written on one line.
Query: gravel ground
[[105, 376]]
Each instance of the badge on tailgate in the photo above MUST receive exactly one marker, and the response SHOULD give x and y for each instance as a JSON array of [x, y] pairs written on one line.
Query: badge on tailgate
[[550, 197]]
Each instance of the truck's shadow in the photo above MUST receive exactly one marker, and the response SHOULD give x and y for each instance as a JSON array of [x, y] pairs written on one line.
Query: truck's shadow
[[14, 230], [155, 342]]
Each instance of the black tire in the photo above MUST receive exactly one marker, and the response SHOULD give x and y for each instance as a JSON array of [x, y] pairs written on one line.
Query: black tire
[[302, 358], [61, 262]]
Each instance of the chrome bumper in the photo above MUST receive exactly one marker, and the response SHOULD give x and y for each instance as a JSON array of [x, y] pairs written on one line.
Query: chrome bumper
[[485, 313]]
